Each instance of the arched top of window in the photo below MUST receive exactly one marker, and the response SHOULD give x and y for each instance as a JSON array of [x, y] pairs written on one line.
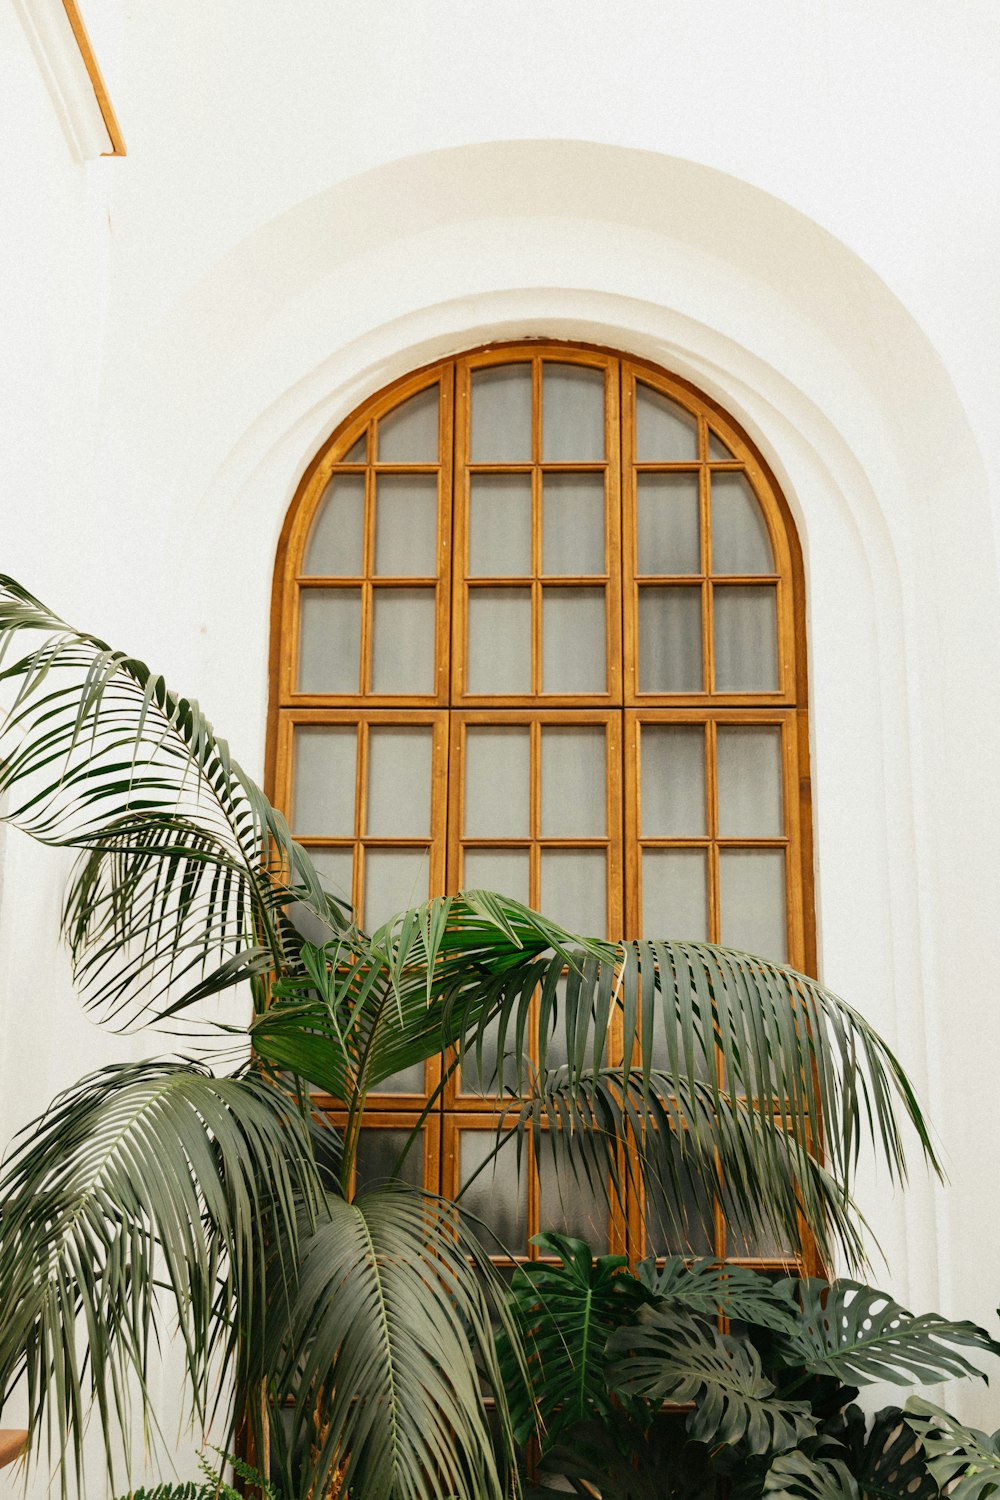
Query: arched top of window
[[539, 525]]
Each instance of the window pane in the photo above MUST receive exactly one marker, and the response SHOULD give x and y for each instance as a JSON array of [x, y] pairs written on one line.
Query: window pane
[[500, 525], [409, 434], [337, 535], [569, 1204], [675, 894], [406, 525], [673, 780], [497, 781], [499, 641], [330, 641], [670, 640], [378, 1156], [740, 540], [395, 880], [572, 413], [752, 897], [323, 781], [473, 1080], [679, 1220], [668, 523], [574, 783], [496, 1196], [664, 432], [403, 641], [746, 639], [503, 870], [573, 641], [750, 782], [501, 415], [573, 524], [335, 868], [399, 781], [574, 890], [717, 450]]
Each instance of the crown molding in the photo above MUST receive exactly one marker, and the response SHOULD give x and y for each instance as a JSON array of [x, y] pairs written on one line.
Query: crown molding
[[62, 49]]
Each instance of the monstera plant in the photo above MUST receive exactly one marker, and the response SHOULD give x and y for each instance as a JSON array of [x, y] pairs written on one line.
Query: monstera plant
[[347, 1334]]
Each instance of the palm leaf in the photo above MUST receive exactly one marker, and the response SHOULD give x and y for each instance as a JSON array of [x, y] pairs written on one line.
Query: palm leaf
[[146, 1189]]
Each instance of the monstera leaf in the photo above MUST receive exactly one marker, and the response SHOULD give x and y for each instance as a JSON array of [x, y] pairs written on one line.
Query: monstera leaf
[[708, 1288], [962, 1458], [632, 1461]]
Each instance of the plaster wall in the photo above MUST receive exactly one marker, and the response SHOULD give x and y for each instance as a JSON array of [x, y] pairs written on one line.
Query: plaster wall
[[779, 202]]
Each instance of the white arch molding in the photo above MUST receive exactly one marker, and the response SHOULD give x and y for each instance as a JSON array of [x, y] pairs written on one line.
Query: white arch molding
[[239, 384]]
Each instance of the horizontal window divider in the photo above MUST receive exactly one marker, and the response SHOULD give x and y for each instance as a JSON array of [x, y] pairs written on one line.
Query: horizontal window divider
[[547, 466], [704, 841], [380, 580], [525, 580]]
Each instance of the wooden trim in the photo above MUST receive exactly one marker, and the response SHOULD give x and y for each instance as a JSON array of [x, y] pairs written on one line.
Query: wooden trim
[[96, 77]]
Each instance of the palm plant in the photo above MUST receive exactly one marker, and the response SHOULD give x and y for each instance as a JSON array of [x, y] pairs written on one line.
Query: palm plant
[[213, 1193]]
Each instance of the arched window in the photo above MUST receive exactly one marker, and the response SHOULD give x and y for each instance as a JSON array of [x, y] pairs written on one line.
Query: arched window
[[539, 627]]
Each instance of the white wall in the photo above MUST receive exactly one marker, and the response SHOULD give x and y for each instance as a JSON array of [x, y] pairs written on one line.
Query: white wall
[[787, 202]]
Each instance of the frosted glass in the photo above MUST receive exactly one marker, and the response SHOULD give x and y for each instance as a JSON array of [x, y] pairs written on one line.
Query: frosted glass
[[500, 525], [486, 1081], [749, 762], [335, 868], [668, 523], [501, 415], [403, 641], [673, 781], [740, 540], [670, 640], [717, 450], [497, 782], [497, 1196], [406, 525], [574, 890], [573, 524], [409, 434], [574, 783], [557, 1053], [358, 451], [378, 1154], [746, 639], [337, 536], [572, 413], [503, 870], [395, 880], [399, 781], [678, 1225], [675, 894], [499, 641], [664, 432], [573, 641], [752, 898], [329, 640], [570, 1205], [323, 781]]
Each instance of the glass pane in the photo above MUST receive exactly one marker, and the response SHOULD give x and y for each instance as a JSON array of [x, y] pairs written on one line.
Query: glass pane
[[752, 898], [569, 1204], [740, 539], [378, 1156], [573, 637], [409, 435], [717, 450], [500, 525], [573, 523], [406, 525], [750, 782], [395, 880], [501, 415], [574, 782], [664, 432], [497, 781], [746, 639], [399, 781], [670, 640], [675, 894], [403, 641], [338, 530], [572, 413], [679, 1221], [330, 641], [668, 523], [473, 1080], [496, 1196], [574, 890], [673, 780], [358, 451], [499, 641], [335, 868], [323, 781], [503, 870]]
